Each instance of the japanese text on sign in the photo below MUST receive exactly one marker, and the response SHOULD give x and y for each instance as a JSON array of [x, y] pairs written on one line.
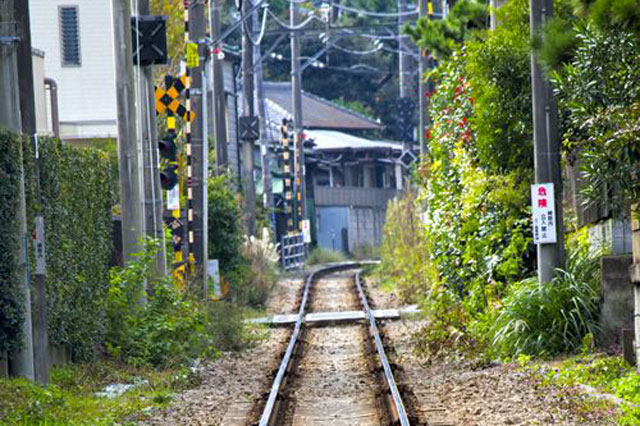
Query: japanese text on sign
[[544, 214]]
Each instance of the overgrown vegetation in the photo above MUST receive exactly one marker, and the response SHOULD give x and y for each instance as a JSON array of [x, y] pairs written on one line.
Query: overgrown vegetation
[[11, 313], [320, 255], [71, 399], [77, 189], [554, 317], [164, 327], [77, 196], [461, 245], [605, 374]]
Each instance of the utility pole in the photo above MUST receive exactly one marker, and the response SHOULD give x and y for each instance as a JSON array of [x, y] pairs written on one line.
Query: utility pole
[[197, 32], [28, 118], [404, 59], [296, 93], [423, 102], [129, 162], [218, 104], [21, 360], [153, 208], [546, 145], [267, 198], [493, 8], [248, 111]]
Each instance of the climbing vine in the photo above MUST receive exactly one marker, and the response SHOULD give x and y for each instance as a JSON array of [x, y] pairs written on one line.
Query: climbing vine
[[11, 313]]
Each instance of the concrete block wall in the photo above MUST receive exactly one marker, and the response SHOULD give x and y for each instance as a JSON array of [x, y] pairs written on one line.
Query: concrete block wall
[[613, 234], [617, 299], [365, 226]]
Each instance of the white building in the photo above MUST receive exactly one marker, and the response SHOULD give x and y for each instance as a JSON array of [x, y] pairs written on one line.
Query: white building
[[77, 39]]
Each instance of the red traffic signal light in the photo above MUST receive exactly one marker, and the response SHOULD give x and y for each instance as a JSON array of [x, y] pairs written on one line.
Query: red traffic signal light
[[167, 147], [168, 177]]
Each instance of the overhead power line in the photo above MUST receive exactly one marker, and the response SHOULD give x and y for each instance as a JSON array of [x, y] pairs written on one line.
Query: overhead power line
[[374, 14]]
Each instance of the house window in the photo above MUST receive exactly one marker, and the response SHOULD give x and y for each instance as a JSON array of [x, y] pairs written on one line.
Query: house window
[[69, 35]]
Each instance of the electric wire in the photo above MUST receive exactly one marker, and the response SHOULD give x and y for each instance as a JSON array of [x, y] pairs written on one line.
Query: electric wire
[[375, 14], [288, 27], [262, 30]]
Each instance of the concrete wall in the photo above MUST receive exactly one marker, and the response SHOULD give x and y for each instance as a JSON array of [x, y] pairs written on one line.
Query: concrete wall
[[365, 226], [617, 298], [612, 234], [43, 125], [353, 196]]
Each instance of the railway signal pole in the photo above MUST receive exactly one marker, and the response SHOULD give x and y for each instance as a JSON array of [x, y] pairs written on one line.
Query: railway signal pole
[[218, 104], [546, 145], [197, 30], [128, 144], [153, 208], [298, 142], [248, 113]]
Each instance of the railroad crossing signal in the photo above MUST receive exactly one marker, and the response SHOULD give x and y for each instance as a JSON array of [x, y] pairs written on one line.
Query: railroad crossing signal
[[168, 99], [167, 147], [249, 128], [405, 111], [407, 158], [151, 33]]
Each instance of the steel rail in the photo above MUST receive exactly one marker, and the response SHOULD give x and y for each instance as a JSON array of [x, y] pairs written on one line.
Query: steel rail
[[268, 412], [398, 405]]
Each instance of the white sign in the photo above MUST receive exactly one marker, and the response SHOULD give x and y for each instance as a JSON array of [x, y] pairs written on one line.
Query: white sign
[[173, 198], [213, 269], [306, 231], [544, 214]]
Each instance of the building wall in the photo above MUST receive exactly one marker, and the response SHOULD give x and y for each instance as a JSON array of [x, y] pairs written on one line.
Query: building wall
[[87, 95], [357, 212], [43, 125]]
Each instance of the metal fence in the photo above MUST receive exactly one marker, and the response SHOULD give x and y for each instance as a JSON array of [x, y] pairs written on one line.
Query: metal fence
[[293, 253]]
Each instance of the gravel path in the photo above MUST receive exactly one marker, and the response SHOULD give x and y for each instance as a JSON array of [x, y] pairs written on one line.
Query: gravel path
[[455, 394], [284, 297]]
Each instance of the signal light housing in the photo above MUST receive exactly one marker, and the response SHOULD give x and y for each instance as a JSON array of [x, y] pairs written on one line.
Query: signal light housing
[[168, 148], [168, 177]]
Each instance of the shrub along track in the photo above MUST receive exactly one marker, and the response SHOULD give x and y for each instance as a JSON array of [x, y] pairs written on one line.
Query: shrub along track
[[333, 373]]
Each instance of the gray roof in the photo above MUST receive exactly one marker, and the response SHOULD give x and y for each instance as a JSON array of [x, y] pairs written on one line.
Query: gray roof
[[331, 140], [317, 112]]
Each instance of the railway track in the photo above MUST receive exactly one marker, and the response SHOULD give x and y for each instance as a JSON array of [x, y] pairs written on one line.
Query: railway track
[[335, 371]]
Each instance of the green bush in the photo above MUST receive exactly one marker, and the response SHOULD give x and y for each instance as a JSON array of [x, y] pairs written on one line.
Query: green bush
[[167, 329], [320, 256], [404, 258], [551, 318], [226, 231], [11, 313], [258, 273]]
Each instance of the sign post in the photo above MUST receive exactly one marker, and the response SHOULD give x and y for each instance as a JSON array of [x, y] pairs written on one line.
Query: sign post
[[543, 214]]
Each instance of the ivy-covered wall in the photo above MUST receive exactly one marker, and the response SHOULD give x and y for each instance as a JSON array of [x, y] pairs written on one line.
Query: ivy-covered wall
[[77, 195], [11, 313]]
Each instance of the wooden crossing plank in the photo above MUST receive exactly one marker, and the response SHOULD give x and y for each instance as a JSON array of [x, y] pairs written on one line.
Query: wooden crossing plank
[[237, 414], [339, 316], [335, 411]]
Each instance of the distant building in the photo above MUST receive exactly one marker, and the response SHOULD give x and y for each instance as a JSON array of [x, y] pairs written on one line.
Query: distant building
[[77, 39], [349, 178]]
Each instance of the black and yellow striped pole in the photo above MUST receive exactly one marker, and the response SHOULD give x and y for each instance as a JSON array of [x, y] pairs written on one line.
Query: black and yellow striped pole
[[177, 229], [286, 171], [189, 47], [298, 177]]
